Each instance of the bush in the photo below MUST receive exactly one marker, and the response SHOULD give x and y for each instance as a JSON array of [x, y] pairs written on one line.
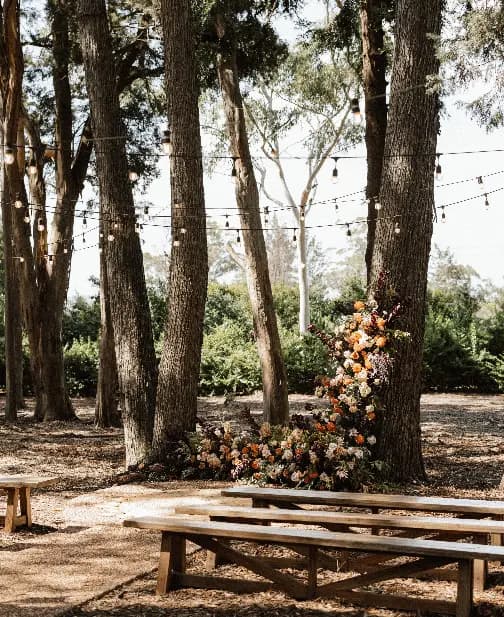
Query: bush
[[229, 362], [305, 358], [81, 367]]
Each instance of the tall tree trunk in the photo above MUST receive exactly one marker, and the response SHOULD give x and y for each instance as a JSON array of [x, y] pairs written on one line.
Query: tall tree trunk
[[303, 285], [136, 362], [188, 279], [276, 404], [12, 316], [407, 193], [106, 410], [374, 68]]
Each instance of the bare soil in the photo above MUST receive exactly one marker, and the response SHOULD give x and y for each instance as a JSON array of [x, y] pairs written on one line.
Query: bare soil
[[464, 457]]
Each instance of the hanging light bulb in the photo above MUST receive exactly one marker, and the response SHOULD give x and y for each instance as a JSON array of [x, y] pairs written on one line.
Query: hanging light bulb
[[21, 260], [487, 203], [266, 215], [133, 175], [116, 225], [234, 171], [166, 142], [26, 217], [176, 241], [40, 225], [137, 227], [65, 249], [84, 221], [9, 156], [146, 210], [479, 179], [335, 170], [227, 222], [294, 239], [377, 204], [439, 171], [110, 237], [302, 214], [183, 230], [50, 258], [336, 204], [348, 231], [397, 229], [238, 240], [83, 239], [443, 215], [19, 202], [100, 249], [355, 109]]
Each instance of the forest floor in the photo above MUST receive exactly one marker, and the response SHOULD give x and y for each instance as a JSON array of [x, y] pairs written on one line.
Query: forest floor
[[78, 561]]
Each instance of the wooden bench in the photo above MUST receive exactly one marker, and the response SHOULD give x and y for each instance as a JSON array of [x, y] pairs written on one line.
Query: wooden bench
[[215, 536], [434, 527], [18, 489]]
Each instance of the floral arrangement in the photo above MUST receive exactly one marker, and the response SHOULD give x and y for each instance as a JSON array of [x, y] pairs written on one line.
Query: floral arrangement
[[331, 449]]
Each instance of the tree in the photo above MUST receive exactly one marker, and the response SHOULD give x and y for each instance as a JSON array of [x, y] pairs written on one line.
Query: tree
[[318, 106], [188, 277], [226, 26], [407, 196], [130, 314]]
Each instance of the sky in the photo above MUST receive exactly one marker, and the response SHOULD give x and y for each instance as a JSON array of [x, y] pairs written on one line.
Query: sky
[[471, 230]]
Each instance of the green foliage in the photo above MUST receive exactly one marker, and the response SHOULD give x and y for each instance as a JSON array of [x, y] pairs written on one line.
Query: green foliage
[[228, 303], [305, 359], [81, 367], [81, 320], [229, 362]]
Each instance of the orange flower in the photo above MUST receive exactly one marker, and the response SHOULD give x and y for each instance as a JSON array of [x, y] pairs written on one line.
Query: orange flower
[[371, 415], [313, 475], [380, 322], [245, 450], [337, 409], [359, 439], [331, 427], [271, 458], [255, 464], [355, 355], [359, 305], [320, 427], [348, 381], [367, 364], [381, 341], [357, 368], [357, 317]]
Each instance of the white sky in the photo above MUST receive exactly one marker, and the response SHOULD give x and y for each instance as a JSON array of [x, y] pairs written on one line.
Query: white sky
[[472, 231]]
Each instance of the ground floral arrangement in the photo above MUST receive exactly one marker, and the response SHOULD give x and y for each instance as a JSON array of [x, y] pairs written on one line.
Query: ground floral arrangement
[[330, 449]]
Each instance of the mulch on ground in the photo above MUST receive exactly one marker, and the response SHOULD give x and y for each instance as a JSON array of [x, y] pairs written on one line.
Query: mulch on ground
[[464, 457]]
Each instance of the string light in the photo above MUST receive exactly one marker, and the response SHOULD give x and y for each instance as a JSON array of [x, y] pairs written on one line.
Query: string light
[[294, 239], [166, 142], [479, 179], [9, 156], [355, 109], [439, 171], [397, 228], [377, 204], [26, 217], [19, 202], [110, 237], [227, 221], [349, 231], [487, 203], [84, 222], [234, 171], [176, 241], [183, 230], [443, 214], [266, 215], [238, 240], [302, 214], [40, 225], [335, 169], [133, 175]]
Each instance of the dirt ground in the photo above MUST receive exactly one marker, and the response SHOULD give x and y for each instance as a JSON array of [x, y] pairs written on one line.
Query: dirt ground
[[464, 456]]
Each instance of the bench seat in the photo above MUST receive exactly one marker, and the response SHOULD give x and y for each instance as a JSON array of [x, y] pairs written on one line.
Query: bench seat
[[215, 536], [18, 489]]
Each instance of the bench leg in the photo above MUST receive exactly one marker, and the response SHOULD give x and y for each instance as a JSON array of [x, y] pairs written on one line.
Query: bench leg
[[172, 559], [312, 572], [465, 588], [25, 503], [12, 507]]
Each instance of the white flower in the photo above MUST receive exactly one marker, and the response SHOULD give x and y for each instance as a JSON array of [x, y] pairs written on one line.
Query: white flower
[[265, 451], [287, 455], [347, 353], [371, 440], [362, 375], [369, 408], [296, 476], [213, 461], [324, 477], [364, 389], [348, 363], [342, 473]]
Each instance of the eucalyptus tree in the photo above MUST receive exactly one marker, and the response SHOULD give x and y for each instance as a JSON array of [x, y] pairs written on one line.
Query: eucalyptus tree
[[188, 275], [404, 227], [130, 316], [309, 97], [243, 46]]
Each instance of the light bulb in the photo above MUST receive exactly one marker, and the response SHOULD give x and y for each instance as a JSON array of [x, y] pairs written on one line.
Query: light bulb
[[176, 241], [335, 170], [21, 259], [183, 230], [40, 225], [132, 175], [294, 239], [166, 142], [443, 215], [9, 156], [26, 217], [227, 222], [397, 229], [349, 231], [65, 250], [110, 237], [377, 205], [438, 170], [355, 109], [18, 203]]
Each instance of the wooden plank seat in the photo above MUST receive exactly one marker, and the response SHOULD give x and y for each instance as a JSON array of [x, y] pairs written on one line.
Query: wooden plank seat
[[216, 536], [18, 489], [434, 527]]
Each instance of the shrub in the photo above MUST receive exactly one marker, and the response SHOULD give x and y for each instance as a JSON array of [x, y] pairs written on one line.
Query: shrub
[[229, 362], [81, 367], [305, 358]]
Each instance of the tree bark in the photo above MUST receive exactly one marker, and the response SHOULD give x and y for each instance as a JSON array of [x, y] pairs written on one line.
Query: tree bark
[[275, 399], [188, 277], [106, 410], [407, 193], [303, 284], [12, 316], [374, 68], [136, 362]]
